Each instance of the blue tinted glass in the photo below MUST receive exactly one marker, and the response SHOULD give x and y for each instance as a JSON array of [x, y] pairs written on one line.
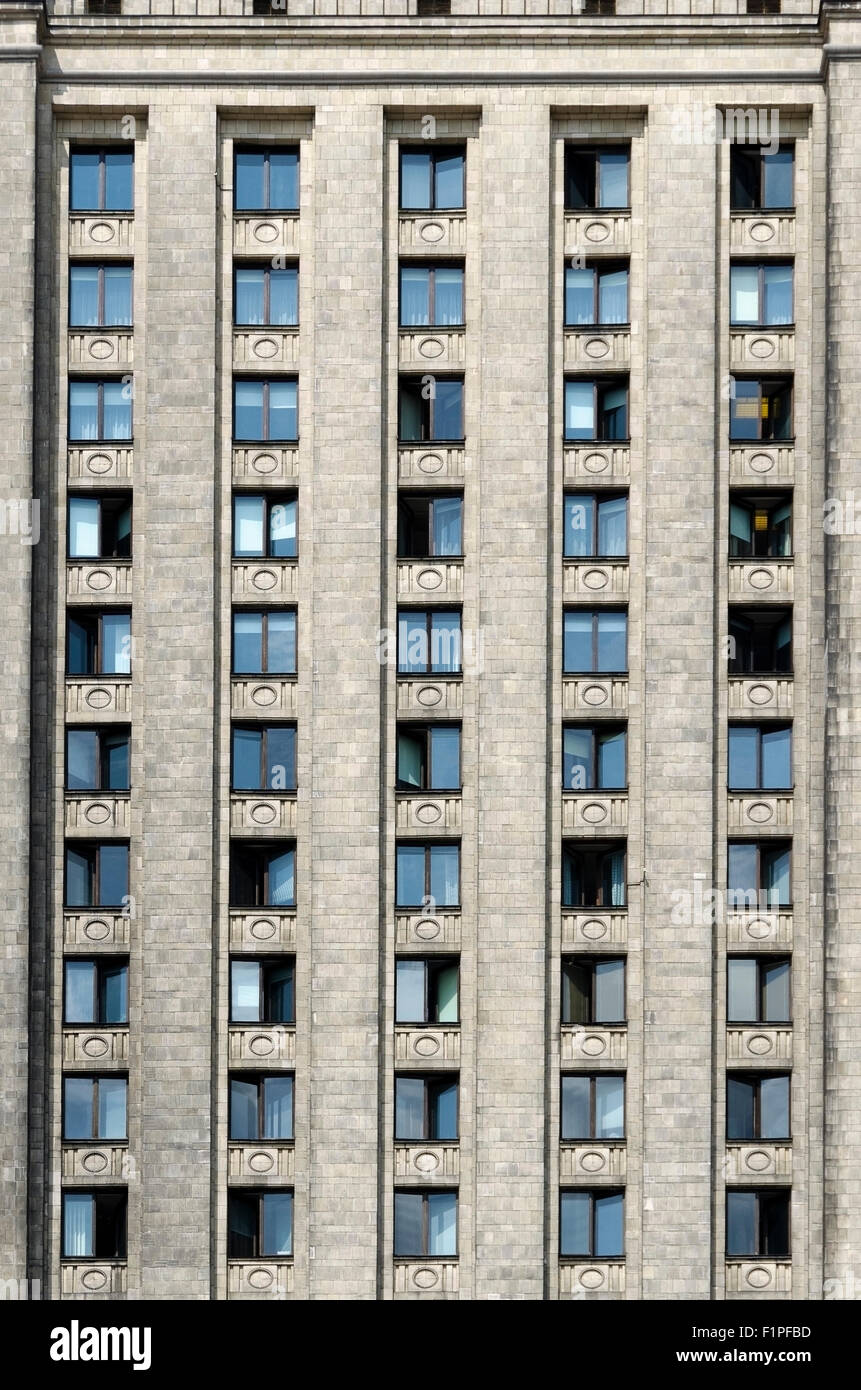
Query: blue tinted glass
[[579, 410], [409, 1237], [248, 409], [80, 991], [83, 296], [743, 748], [243, 1109], [415, 296], [444, 759], [116, 644], [280, 759], [442, 1223], [612, 642], [278, 1107], [84, 192], [445, 1117], [115, 994], [113, 875], [119, 166], [777, 179], [283, 297], [247, 744], [409, 1108], [576, 1107], [282, 410], [83, 410], [247, 643], [281, 651], [777, 294], [248, 296], [117, 410], [577, 642], [282, 529], [283, 180], [78, 1108], [248, 181], [613, 297], [412, 642], [118, 295], [448, 295], [741, 1223], [115, 753], [410, 875], [579, 525], [579, 295], [447, 512], [611, 761], [574, 1235], [112, 1107], [78, 884], [612, 191], [449, 181], [82, 760], [448, 410], [282, 887], [78, 1232], [613, 526], [277, 1223], [609, 1235], [445, 645], [577, 746], [445, 875], [415, 180], [774, 1107]]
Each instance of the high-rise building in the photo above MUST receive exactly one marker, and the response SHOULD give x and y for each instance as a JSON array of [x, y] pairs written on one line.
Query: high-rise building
[[431, 578]]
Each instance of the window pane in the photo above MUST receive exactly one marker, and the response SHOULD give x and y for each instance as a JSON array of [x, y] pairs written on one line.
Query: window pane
[[279, 994], [743, 750], [248, 642], [579, 410], [243, 1109], [248, 515], [614, 413], [248, 306], [114, 994], [776, 746], [80, 991], [609, 1107], [740, 532], [117, 410], [774, 1219], [740, 1097], [409, 1108], [83, 410], [278, 1107], [576, 1107], [742, 992], [741, 1223], [613, 526], [78, 884], [745, 178], [610, 991], [408, 1224], [742, 876], [744, 294], [118, 181], [744, 409], [449, 181], [282, 410], [577, 759], [777, 179], [84, 193], [444, 759], [774, 1107], [78, 1235], [280, 759], [442, 1223], [281, 885], [249, 179], [577, 642], [574, 1236], [609, 1235], [282, 643], [283, 180], [410, 412], [445, 652], [247, 745], [248, 409], [282, 529], [777, 307], [245, 991], [241, 1226], [775, 865], [447, 526], [446, 995], [78, 1108], [613, 879], [115, 759], [448, 296], [410, 991], [445, 1112], [612, 642], [775, 980], [611, 761], [113, 874], [579, 296], [116, 644], [415, 179], [112, 1108], [83, 296], [445, 875], [82, 760], [410, 875], [579, 525], [612, 179], [277, 1223], [118, 295], [613, 297], [576, 993], [448, 410], [415, 292], [411, 751], [283, 297]]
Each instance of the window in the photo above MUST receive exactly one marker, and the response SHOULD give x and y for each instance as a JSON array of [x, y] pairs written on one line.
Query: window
[[593, 758], [429, 641], [425, 1107], [427, 8], [101, 180], [262, 991], [758, 875], [760, 757], [760, 410], [94, 1225], [757, 1107], [263, 296], [760, 642], [97, 875], [100, 296], [265, 410], [432, 178], [592, 1224], [261, 1107], [596, 178], [100, 410], [425, 1223], [593, 1107], [595, 523], [760, 525], [593, 990], [266, 180], [757, 1223], [593, 876], [97, 760], [758, 989], [102, 7], [264, 643], [429, 524], [428, 757], [428, 872], [98, 644], [264, 758], [760, 294], [96, 991], [595, 640], [426, 989], [596, 294], [760, 179], [100, 528], [596, 7], [430, 408], [763, 6], [264, 525], [259, 1224], [596, 410], [94, 1107], [431, 295], [262, 876]]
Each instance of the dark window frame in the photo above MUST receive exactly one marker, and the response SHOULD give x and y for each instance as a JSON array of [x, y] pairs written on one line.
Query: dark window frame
[[102, 964], [756, 1078], [260, 1194], [433, 967], [101, 731], [272, 849], [768, 1193], [425, 1193], [426, 731], [266, 270], [761, 267], [436, 152], [600, 385], [286, 961], [782, 148], [592, 962], [269, 499], [95, 1078], [427, 846], [778, 726], [429, 613], [598, 268], [259, 1079], [593, 1193], [405, 497], [769, 503], [264, 730], [100, 382], [775, 617], [428, 407], [82, 615], [441, 1081], [597, 614], [100, 497], [264, 614], [572, 147], [788, 382], [266, 383], [778, 845], [592, 1077], [599, 496], [93, 848], [610, 729], [762, 963], [431, 267], [121, 1194], [101, 267], [597, 849], [267, 150], [102, 151]]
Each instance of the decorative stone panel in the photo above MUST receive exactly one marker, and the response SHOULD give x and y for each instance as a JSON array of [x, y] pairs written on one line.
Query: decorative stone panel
[[436, 232], [595, 1277], [264, 581], [764, 1046], [588, 465], [104, 814], [604, 347], [263, 697], [431, 349], [265, 463], [770, 348], [431, 463], [595, 696], [591, 813], [760, 931], [95, 1047], [100, 464], [427, 1163], [762, 463], [595, 1047], [428, 812], [589, 232], [600, 581], [262, 349], [102, 234], [429, 1277], [767, 1277], [262, 929], [266, 234], [441, 930], [95, 1163], [261, 1045], [759, 1161], [761, 580], [101, 349], [429, 695], [260, 1163], [86, 1278], [594, 1163], [102, 698], [602, 929], [94, 930], [259, 1279], [257, 813], [107, 581], [762, 232], [763, 812], [430, 579], [755, 696], [428, 1047]]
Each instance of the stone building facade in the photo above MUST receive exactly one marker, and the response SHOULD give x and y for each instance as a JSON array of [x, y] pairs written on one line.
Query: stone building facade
[[131, 646]]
